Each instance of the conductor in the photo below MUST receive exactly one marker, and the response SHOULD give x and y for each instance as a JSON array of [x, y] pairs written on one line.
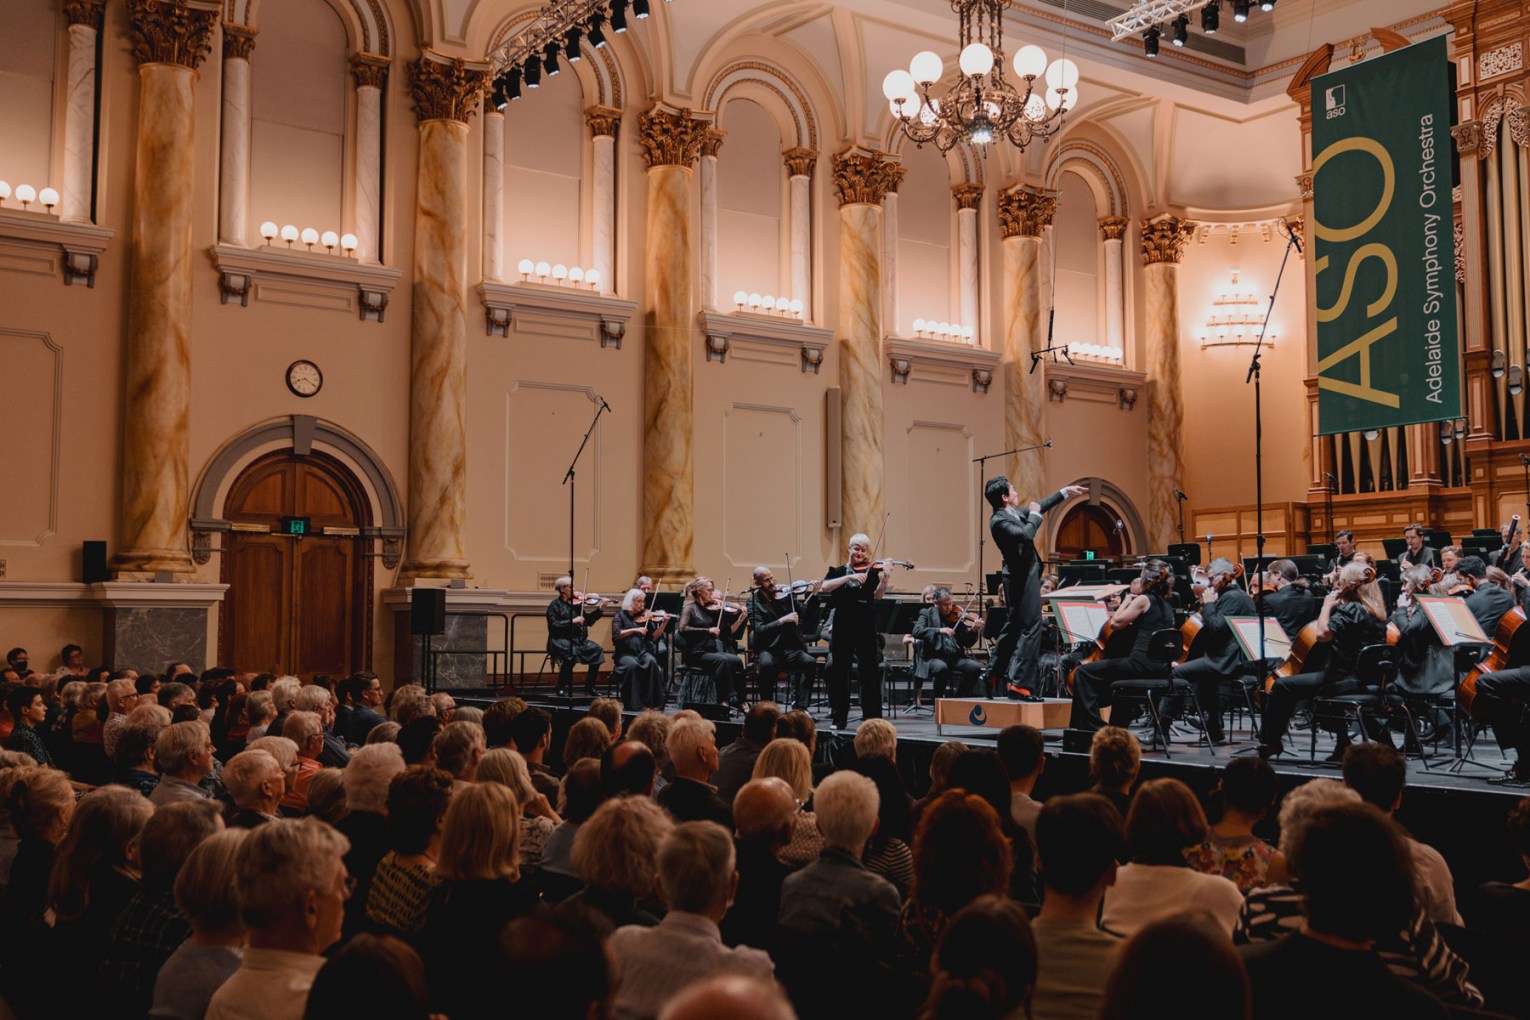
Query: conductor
[[1014, 532]]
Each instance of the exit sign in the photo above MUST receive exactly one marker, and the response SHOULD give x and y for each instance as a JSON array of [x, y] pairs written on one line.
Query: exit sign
[[295, 526], [1088, 554]]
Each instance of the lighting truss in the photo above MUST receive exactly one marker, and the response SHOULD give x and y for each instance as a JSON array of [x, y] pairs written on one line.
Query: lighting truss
[[552, 24], [1147, 13]]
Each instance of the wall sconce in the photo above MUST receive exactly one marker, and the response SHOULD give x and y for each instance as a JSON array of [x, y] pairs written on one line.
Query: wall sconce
[[330, 239], [310, 237], [5, 190], [289, 234], [48, 197], [812, 358], [348, 244], [1057, 389], [558, 274], [929, 329], [717, 347], [611, 332], [767, 304], [26, 194], [269, 231]]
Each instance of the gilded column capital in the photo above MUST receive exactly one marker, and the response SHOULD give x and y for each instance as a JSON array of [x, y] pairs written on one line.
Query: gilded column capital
[[1304, 184], [238, 41], [369, 71], [171, 33], [445, 89], [84, 12], [865, 177], [799, 161], [711, 141], [1113, 228], [1026, 211], [1164, 240], [672, 137], [603, 121], [1468, 136], [968, 195]]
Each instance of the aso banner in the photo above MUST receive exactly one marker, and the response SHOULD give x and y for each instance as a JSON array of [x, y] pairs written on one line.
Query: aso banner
[[1387, 348]]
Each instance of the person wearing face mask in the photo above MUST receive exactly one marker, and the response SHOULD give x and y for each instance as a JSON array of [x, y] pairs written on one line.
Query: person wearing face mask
[[20, 661]]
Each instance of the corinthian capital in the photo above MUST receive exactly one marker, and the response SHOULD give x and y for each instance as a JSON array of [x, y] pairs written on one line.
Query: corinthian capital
[[238, 41], [672, 137], [1164, 239], [865, 177], [799, 161], [1026, 211], [1113, 228], [445, 89], [171, 33], [84, 12], [369, 70], [603, 121], [967, 196]]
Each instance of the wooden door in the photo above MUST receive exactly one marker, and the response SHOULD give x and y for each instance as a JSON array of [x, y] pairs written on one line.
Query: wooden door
[[297, 605], [1089, 527]]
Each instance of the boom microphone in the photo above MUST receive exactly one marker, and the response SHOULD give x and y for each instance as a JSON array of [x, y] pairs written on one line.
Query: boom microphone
[[1295, 237], [1180, 495]]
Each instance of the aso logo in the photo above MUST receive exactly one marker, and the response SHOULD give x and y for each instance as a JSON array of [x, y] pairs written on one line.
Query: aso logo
[[1333, 102], [978, 717]]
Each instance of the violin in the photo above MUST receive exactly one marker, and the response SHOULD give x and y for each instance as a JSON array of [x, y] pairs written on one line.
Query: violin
[[726, 607], [794, 590], [592, 600]]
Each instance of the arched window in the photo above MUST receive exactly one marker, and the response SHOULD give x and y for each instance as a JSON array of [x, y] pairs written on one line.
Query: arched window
[[1076, 244], [300, 85], [28, 56], [545, 142], [749, 182], [925, 271]]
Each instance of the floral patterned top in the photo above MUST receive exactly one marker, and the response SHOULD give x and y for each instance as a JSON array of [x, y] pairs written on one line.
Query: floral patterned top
[[1245, 860]]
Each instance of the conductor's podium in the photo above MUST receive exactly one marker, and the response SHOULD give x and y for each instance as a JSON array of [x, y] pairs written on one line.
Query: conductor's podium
[[997, 713]]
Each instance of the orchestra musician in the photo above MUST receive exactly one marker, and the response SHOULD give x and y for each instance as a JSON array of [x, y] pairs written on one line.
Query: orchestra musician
[[1487, 601], [644, 584], [1427, 665], [775, 636], [1344, 547], [1417, 554], [1506, 557], [568, 637], [1353, 616], [1287, 598], [1014, 533], [710, 629], [1451, 555], [1223, 659], [854, 587], [634, 633], [1521, 577], [945, 631], [1151, 612]]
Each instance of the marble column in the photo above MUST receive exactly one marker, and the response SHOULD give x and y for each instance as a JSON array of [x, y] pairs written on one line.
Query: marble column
[[84, 17], [603, 122], [711, 142], [370, 74], [1113, 233], [1164, 240], [446, 93], [799, 169], [889, 270], [968, 198], [234, 159], [169, 42], [862, 180], [672, 142], [493, 192], [1024, 214]]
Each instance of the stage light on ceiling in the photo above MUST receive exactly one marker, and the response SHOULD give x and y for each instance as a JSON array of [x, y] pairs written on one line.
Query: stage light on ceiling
[[1240, 10], [1181, 29], [550, 60], [1211, 17], [640, 9], [1267, 5], [619, 16], [571, 45], [533, 74], [1150, 42]]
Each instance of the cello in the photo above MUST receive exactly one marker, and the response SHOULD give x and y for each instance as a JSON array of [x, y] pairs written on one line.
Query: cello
[[1159, 584], [1497, 659], [1307, 638]]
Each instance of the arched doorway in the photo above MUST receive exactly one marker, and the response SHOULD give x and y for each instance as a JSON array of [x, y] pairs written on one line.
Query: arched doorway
[[1089, 527], [296, 604]]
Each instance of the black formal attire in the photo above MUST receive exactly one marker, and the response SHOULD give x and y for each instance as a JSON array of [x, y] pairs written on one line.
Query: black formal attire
[[1425, 557], [1488, 604], [1298, 976], [1014, 533], [1427, 666], [1293, 607], [717, 654], [941, 654], [778, 645], [461, 938], [854, 639], [1092, 681], [363, 720], [1223, 659], [1353, 628], [751, 920], [1506, 558], [637, 663], [692, 801], [570, 643]]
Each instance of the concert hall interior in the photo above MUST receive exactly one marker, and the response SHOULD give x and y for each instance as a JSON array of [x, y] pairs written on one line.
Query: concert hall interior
[[349, 336]]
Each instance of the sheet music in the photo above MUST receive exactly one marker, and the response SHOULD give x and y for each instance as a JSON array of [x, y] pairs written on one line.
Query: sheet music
[[1277, 644], [1081, 620], [1452, 621]]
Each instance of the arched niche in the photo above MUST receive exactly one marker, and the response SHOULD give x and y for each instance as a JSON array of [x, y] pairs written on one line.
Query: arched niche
[[1105, 494]]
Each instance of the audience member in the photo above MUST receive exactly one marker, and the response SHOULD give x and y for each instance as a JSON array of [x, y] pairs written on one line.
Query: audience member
[[608, 711], [732, 995], [1185, 963], [614, 854], [292, 892], [538, 819], [689, 796], [134, 750], [384, 733], [790, 760], [1115, 757], [365, 825], [580, 795], [417, 739], [259, 712], [735, 763], [940, 776], [410, 702], [764, 815], [364, 693], [628, 768], [1023, 751], [28, 711], [375, 976], [836, 895], [445, 706], [1079, 840], [876, 737], [316, 699], [406, 876], [459, 749], [326, 796], [207, 895], [888, 852], [121, 698], [981, 772], [306, 730], [1230, 849], [985, 966], [960, 853], [1503, 908], [257, 783], [651, 729], [531, 732], [654, 964], [587, 738], [557, 962], [497, 720]]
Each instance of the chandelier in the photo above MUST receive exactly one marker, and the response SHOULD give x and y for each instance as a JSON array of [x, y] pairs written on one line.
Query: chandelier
[[982, 105]]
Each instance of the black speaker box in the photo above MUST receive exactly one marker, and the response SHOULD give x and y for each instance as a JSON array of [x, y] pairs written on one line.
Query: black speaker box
[[427, 611], [717, 713], [93, 569], [1078, 741]]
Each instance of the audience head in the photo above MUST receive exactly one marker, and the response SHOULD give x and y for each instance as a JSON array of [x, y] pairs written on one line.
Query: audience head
[[766, 810], [894, 817], [1302, 803], [1165, 819], [1355, 872], [960, 852], [984, 965], [326, 796], [628, 768], [508, 769], [306, 730], [731, 995], [384, 733], [255, 780], [259, 708], [651, 729], [531, 732], [1248, 787], [284, 692], [369, 774], [41, 804], [846, 806], [169, 836], [587, 738], [556, 960], [410, 702], [293, 884], [696, 869], [1152, 966], [760, 722], [184, 750], [417, 801], [798, 726], [940, 765], [608, 711], [497, 719], [445, 706], [103, 836], [580, 793], [693, 747], [417, 739], [376, 976], [481, 836], [459, 748], [207, 886], [313, 698], [1079, 840], [1022, 749], [1377, 773], [980, 771], [616, 849], [1115, 757], [135, 743], [173, 694], [788, 760], [26, 706], [876, 736]]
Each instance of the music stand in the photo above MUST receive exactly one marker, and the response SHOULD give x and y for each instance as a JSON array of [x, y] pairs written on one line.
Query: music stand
[[1326, 551], [1395, 547], [1188, 552], [995, 582], [1080, 573]]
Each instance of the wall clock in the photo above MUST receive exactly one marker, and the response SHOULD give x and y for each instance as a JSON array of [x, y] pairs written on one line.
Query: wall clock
[[304, 378]]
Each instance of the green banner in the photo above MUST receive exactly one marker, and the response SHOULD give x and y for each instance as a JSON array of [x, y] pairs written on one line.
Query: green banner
[[1387, 348]]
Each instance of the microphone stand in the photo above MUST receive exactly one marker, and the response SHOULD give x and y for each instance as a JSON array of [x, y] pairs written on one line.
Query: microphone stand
[[982, 463], [568, 478], [1181, 502], [1524, 462], [1254, 369], [1333, 484]]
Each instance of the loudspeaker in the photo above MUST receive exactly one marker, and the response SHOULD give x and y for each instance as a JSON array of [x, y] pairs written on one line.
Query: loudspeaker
[[427, 611], [1078, 741], [93, 568], [717, 713]]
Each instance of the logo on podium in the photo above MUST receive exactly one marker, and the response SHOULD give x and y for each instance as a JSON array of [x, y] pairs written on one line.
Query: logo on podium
[[978, 717]]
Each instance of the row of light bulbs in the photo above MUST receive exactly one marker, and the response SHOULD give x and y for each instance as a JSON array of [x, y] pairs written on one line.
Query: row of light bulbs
[[309, 236], [1098, 352], [26, 195], [768, 304], [929, 329], [558, 273]]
